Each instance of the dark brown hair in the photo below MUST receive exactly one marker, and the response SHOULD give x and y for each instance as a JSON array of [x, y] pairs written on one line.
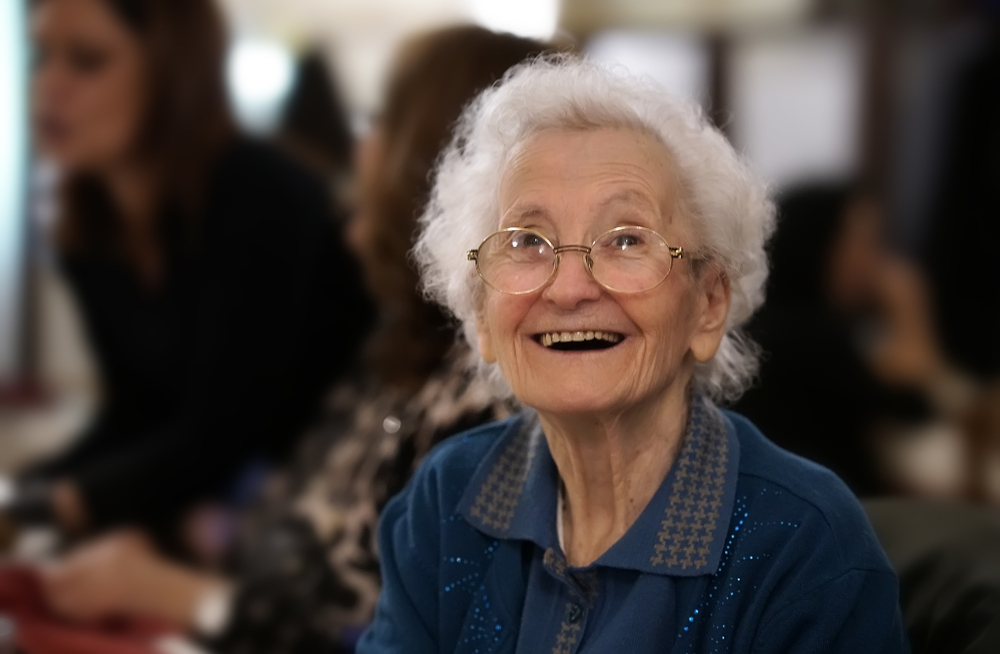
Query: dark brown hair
[[434, 78], [187, 124], [314, 124]]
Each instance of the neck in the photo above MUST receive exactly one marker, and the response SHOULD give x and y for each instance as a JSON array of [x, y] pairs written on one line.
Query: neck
[[133, 188], [611, 466]]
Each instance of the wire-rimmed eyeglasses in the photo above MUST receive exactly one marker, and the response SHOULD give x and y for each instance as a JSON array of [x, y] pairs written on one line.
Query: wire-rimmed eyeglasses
[[629, 259]]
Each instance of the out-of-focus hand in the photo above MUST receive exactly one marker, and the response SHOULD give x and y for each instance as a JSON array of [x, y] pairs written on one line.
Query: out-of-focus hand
[[122, 575], [67, 504]]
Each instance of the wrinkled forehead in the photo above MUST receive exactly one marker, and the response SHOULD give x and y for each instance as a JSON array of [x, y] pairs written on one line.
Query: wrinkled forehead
[[589, 174]]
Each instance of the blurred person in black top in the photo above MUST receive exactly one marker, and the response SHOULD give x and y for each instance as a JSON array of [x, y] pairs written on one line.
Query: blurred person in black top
[[303, 575], [314, 126], [846, 334], [211, 280]]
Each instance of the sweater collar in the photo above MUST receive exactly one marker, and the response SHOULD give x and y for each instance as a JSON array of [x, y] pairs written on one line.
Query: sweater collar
[[682, 531]]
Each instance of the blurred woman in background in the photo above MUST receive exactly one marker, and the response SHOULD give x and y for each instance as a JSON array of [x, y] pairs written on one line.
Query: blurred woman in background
[[306, 565], [314, 126], [846, 332], [214, 290]]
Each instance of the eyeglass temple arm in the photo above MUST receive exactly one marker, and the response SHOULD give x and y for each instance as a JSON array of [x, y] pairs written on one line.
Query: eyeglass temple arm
[[472, 255]]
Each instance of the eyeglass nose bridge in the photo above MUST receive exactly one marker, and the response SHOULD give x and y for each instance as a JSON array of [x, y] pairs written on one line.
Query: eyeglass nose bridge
[[573, 248], [588, 262]]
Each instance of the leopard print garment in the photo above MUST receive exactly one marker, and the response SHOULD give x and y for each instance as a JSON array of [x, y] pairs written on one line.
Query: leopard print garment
[[324, 511]]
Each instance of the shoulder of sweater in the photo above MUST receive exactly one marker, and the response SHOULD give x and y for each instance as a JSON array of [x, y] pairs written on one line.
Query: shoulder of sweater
[[451, 464], [778, 480]]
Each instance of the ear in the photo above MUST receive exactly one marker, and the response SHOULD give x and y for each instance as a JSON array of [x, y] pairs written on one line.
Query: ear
[[485, 341], [715, 292]]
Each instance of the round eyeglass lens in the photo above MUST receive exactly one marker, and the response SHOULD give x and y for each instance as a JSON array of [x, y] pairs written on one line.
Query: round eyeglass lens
[[630, 259], [516, 261]]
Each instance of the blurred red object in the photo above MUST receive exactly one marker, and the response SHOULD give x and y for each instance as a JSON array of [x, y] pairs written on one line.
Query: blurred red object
[[40, 632], [23, 394]]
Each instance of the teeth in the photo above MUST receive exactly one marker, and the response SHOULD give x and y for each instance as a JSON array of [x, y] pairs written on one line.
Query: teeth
[[549, 338]]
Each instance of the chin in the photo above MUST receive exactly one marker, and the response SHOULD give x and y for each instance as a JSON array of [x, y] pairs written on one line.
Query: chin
[[572, 399], [570, 386]]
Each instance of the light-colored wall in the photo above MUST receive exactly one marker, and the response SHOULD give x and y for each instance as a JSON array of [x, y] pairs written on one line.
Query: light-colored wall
[[13, 160], [68, 375]]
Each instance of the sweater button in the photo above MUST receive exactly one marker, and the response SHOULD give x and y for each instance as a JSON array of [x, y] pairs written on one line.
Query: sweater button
[[575, 613]]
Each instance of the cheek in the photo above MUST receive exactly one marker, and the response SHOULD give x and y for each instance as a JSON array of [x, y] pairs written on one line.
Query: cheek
[[46, 88], [503, 316], [107, 113], [499, 321], [668, 325], [358, 232], [359, 238]]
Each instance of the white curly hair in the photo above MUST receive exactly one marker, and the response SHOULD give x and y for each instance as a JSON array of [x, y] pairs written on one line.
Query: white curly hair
[[733, 215]]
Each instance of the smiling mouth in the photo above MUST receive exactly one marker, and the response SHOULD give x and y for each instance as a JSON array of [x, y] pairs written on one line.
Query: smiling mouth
[[579, 340]]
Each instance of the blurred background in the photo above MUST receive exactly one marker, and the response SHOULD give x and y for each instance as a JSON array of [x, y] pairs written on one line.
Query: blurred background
[[876, 123], [893, 100]]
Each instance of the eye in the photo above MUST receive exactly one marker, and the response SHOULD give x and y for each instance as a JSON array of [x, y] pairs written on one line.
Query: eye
[[88, 60], [622, 240], [527, 240], [630, 242], [625, 240], [518, 246]]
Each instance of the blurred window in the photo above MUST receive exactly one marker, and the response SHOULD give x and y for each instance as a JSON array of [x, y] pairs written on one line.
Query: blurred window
[[13, 165], [260, 74], [530, 18], [680, 62], [795, 101]]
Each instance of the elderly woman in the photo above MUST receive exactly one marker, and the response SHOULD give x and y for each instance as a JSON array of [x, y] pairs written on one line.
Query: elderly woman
[[619, 244]]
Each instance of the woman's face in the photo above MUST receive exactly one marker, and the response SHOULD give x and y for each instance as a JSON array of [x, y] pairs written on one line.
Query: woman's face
[[856, 256], [360, 233], [89, 84], [367, 161], [572, 187]]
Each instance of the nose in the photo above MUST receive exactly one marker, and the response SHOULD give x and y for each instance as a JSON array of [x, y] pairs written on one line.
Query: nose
[[572, 283]]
